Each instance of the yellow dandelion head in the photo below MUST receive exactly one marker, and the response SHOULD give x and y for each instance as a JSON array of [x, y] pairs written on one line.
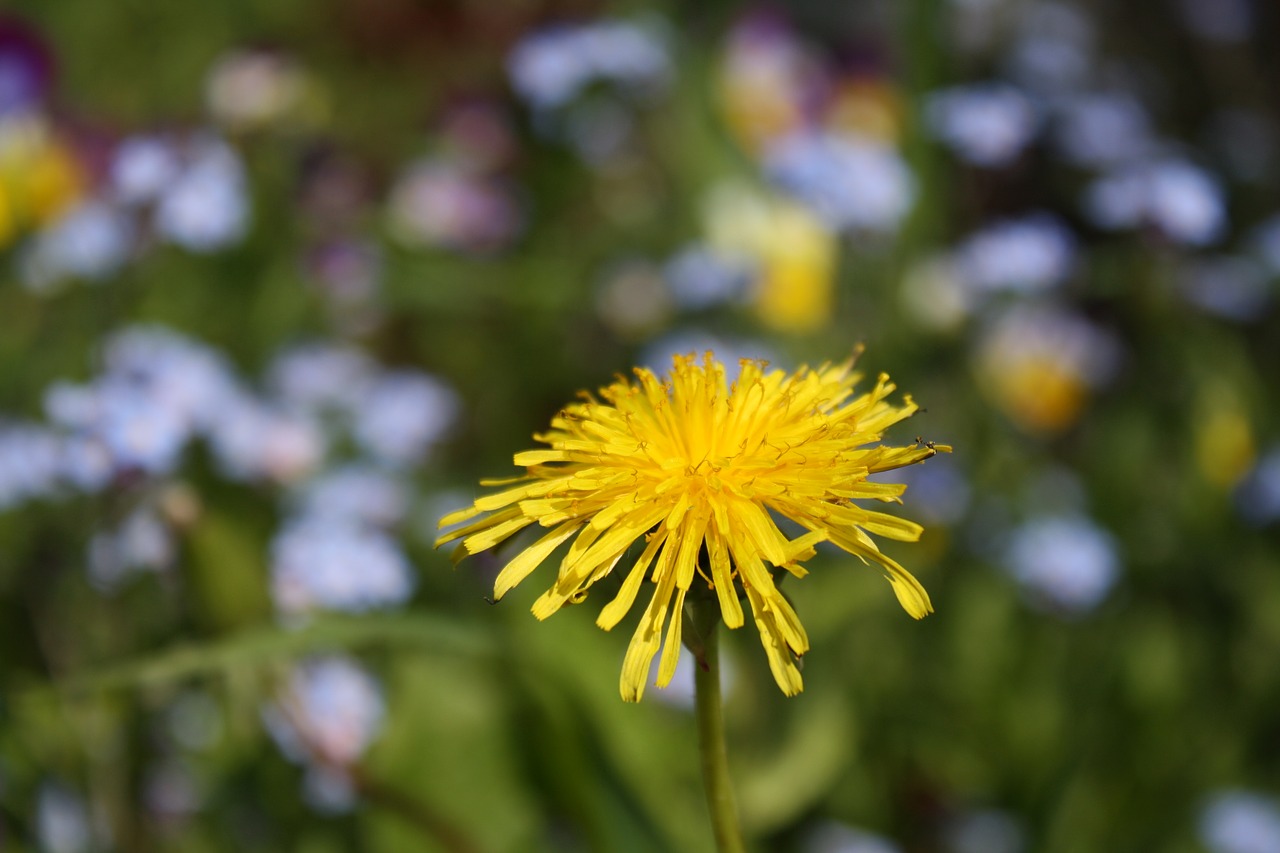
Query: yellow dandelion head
[[698, 468]]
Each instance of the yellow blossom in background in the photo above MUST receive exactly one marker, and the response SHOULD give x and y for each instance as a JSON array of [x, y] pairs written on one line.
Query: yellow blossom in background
[[54, 181], [40, 176], [796, 289], [1039, 394], [758, 115], [693, 465], [1039, 365], [794, 252], [867, 106], [8, 223], [1224, 444], [758, 93]]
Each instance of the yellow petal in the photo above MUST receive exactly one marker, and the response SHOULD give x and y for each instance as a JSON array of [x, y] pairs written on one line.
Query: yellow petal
[[722, 576], [690, 537], [671, 649], [644, 643], [911, 594], [753, 521], [781, 663], [539, 457], [530, 558], [486, 539], [616, 609]]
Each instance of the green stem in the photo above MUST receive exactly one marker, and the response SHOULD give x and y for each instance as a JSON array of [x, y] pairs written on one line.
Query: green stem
[[711, 745], [413, 811]]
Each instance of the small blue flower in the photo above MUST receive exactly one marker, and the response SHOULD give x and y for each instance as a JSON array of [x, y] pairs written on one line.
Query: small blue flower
[[1066, 563], [1182, 201], [1030, 254], [1238, 821], [402, 415], [852, 183], [207, 207], [986, 124], [325, 563]]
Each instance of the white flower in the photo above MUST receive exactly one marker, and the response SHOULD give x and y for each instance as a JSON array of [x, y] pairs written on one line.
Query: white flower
[[436, 202], [1258, 497], [185, 375], [987, 124], [402, 414], [30, 463], [1238, 821], [320, 376], [1033, 253], [142, 542], [86, 463], [1067, 562], [550, 67], [851, 182], [206, 208], [1053, 50], [62, 820], [141, 168], [1103, 129], [329, 711], [138, 429], [253, 88], [939, 491], [546, 68], [986, 831], [91, 242], [700, 276], [1230, 286], [1223, 21], [325, 563], [832, 837], [359, 494], [256, 440], [1265, 242], [1181, 200]]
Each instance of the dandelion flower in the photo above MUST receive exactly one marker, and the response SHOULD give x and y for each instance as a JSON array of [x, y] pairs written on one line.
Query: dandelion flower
[[699, 469]]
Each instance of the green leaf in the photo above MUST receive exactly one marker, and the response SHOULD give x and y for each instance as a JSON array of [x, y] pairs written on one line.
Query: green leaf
[[258, 646]]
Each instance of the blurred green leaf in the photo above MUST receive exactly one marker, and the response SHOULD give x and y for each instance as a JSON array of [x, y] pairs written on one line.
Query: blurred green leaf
[[812, 752], [256, 647]]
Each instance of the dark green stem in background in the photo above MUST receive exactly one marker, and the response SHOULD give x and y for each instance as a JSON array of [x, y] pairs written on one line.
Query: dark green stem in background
[[413, 811], [711, 746]]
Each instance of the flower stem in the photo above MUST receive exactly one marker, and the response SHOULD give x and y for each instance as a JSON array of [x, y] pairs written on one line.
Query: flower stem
[[711, 746]]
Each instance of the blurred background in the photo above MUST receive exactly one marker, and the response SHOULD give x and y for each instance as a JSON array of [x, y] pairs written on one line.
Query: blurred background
[[281, 279]]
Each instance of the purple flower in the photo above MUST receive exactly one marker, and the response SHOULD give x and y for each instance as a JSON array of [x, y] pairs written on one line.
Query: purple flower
[[438, 203], [26, 67]]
